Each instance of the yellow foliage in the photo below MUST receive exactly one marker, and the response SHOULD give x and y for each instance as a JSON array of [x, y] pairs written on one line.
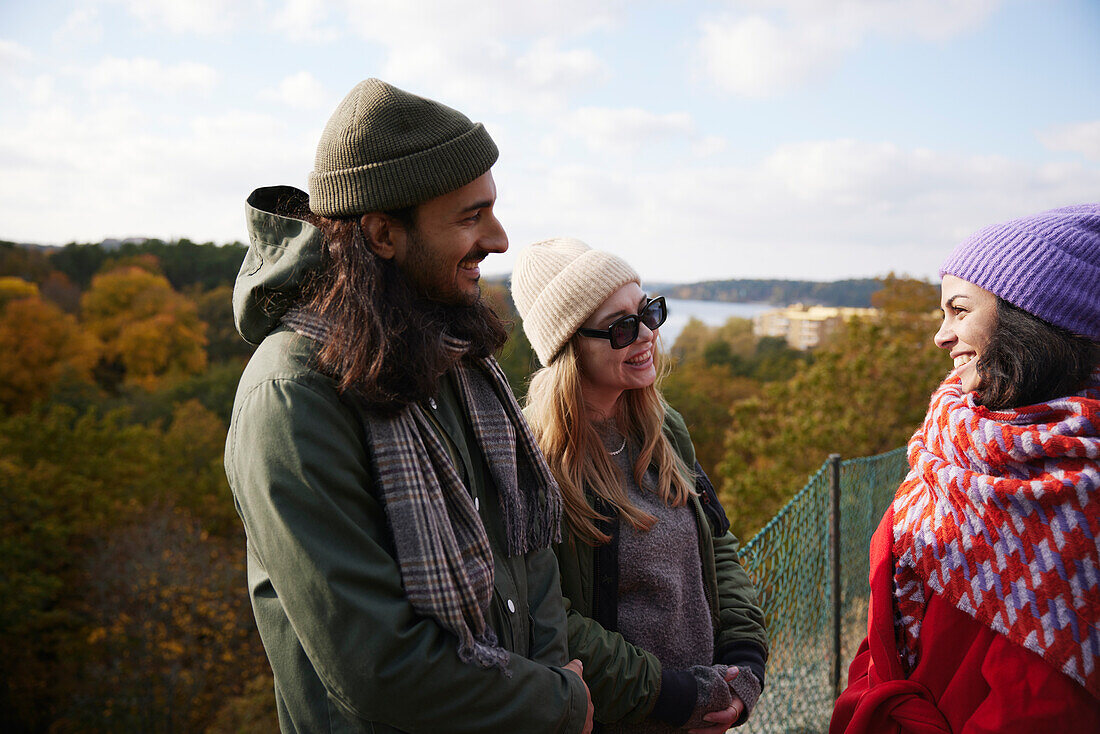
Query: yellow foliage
[[12, 288], [147, 327], [41, 344]]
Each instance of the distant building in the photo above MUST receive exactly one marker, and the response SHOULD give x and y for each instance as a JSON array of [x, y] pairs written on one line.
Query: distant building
[[804, 327]]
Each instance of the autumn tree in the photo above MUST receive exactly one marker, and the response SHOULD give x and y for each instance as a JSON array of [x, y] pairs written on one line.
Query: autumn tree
[[13, 288], [704, 395], [171, 630], [734, 338], [41, 345], [901, 294], [148, 330], [692, 340], [121, 573]]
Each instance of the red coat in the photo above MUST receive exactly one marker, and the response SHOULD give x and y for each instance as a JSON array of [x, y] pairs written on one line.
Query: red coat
[[969, 679]]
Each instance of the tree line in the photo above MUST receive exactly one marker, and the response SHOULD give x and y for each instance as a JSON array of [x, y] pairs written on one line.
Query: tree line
[[122, 589]]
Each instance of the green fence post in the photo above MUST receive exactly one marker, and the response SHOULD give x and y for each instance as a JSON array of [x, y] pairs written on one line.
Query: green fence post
[[834, 563]]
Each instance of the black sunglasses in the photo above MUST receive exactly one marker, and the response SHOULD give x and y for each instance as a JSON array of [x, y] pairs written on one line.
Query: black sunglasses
[[623, 331]]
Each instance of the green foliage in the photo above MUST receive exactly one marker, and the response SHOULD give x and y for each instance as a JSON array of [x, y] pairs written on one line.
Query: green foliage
[[864, 393], [188, 264], [214, 389], [906, 295], [215, 309], [517, 358], [184, 263], [703, 394], [734, 347], [79, 262], [28, 263], [81, 491], [773, 359], [170, 630]]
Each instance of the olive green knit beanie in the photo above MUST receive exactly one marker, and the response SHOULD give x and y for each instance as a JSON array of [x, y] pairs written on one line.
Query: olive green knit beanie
[[386, 149], [557, 284]]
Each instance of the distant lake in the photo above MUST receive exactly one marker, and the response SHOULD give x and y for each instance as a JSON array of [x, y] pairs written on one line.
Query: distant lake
[[711, 313]]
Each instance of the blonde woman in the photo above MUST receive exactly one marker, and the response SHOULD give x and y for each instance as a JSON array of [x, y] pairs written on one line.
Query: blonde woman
[[660, 611]]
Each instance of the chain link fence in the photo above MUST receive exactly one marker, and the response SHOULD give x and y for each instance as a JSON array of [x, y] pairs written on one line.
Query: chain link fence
[[810, 566]]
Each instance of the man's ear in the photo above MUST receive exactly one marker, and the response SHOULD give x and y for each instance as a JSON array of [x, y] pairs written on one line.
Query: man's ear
[[384, 235]]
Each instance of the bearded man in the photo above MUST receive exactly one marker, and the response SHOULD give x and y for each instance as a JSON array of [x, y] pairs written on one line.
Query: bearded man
[[398, 513]]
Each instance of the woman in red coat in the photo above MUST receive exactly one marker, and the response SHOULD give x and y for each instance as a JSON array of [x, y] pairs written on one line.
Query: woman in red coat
[[985, 571]]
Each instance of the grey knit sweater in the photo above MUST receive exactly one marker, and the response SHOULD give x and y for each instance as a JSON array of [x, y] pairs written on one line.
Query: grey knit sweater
[[662, 605]]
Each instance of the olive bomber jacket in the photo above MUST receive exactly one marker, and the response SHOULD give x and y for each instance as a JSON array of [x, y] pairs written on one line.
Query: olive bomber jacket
[[626, 681], [348, 651]]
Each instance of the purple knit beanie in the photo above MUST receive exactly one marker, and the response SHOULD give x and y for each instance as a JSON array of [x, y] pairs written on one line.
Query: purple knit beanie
[[1048, 264]]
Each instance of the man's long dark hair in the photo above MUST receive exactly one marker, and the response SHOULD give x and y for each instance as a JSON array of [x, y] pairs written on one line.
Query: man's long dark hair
[[1028, 361], [385, 341]]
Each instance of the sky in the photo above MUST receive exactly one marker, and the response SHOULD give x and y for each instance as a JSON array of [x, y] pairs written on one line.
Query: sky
[[700, 140]]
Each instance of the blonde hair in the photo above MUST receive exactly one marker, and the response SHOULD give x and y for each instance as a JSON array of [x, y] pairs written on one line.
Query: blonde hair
[[577, 456]]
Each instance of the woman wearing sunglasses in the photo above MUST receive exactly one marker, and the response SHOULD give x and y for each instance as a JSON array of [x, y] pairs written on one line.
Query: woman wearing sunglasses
[[660, 611]]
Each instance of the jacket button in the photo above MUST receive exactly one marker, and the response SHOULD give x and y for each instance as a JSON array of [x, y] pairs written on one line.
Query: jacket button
[[477, 504], [511, 606]]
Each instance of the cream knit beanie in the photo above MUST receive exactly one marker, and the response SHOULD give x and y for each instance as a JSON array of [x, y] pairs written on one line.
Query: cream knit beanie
[[557, 284]]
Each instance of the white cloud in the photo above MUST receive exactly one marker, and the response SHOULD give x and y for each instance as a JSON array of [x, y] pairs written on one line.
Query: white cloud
[[201, 17], [464, 23], [122, 171], [305, 20], [709, 145], [82, 27], [301, 91], [1081, 137], [820, 210], [546, 66], [150, 75], [499, 54], [624, 131], [756, 48], [755, 57], [13, 54]]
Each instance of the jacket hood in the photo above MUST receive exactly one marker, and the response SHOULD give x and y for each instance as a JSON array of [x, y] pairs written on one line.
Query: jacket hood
[[282, 253]]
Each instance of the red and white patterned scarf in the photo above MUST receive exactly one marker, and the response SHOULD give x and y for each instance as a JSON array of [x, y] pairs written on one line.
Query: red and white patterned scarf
[[1000, 514]]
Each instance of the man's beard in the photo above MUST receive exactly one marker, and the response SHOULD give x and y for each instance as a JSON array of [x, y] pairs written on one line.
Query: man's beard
[[389, 344], [432, 276]]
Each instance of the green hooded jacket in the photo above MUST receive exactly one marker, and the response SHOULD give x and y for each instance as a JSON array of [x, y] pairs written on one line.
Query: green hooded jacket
[[348, 651]]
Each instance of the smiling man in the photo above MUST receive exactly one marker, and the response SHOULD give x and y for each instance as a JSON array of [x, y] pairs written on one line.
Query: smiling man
[[398, 513]]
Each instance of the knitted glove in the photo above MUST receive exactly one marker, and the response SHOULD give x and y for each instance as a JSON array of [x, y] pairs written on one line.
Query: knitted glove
[[745, 686], [712, 694]]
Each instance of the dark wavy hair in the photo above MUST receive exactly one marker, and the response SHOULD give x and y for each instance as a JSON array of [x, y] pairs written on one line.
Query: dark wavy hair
[[1028, 361], [386, 342]]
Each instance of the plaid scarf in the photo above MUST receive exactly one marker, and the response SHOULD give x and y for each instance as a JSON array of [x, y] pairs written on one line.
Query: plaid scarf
[[1000, 514], [442, 549]]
